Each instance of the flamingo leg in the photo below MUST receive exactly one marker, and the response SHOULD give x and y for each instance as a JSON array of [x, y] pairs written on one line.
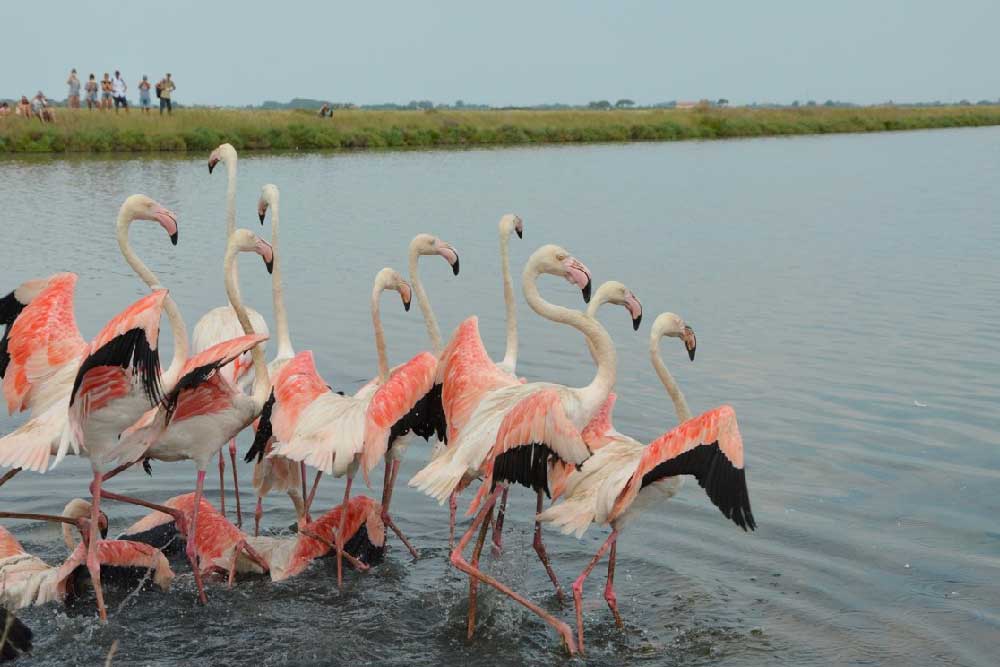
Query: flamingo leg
[[257, 514], [302, 477], [473, 582], [498, 525], [251, 554], [340, 534], [93, 561], [542, 554], [386, 499], [236, 483], [8, 475], [117, 471], [222, 484], [192, 548], [355, 563], [459, 562], [312, 493], [609, 588], [178, 516], [578, 584], [452, 511]]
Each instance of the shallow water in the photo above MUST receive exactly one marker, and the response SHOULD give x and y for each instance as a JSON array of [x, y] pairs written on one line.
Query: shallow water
[[844, 293]]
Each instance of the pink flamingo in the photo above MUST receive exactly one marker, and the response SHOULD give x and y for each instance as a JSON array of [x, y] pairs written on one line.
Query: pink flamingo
[[204, 411], [28, 580], [466, 372], [624, 476], [42, 347], [221, 324], [517, 432], [336, 434]]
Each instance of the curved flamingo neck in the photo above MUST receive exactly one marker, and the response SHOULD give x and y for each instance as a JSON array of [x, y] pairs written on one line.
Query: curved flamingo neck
[[510, 354], [433, 332], [177, 327], [285, 350], [383, 359], [261, 382], [595, 393], [680, 403], [231, 161]]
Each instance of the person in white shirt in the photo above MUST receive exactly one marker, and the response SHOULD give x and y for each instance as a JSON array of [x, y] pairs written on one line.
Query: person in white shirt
[[118, 89]]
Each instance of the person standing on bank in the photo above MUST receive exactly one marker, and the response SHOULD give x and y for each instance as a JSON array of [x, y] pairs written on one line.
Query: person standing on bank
[[118, 88], [74, 90], [91, 89], [163, 90], [106, 91], [144, 87]]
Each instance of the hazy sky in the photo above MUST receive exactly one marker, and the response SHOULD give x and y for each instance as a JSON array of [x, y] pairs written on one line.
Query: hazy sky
[[513, 51]]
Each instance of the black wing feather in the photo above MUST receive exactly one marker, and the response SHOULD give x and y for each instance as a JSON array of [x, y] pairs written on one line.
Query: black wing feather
[[128, 350], [10, 309], [264, 432]]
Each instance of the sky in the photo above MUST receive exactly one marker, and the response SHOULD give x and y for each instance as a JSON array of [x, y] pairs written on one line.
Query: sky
[[513, 52]]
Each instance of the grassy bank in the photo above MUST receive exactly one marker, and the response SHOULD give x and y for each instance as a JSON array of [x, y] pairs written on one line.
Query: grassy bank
[[203, 129]]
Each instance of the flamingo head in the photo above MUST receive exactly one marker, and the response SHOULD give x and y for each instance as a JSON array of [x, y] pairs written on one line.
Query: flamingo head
[[246, 241], [141, 207], [391, 279], [669, 324], [427, 244], [556, 261], [615, 292], [268, 197], [512, 223], [224, 153], [78, 508]]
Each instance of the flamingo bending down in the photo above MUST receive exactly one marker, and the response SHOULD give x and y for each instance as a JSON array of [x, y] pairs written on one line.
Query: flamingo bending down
[[465, 370], [335, 433], [220, 324], [276, 473], [516, 433], [205, 410], [42, 347], [624, 476], [28, 580]]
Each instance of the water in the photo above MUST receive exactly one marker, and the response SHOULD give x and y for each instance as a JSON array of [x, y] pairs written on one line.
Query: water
[[844, 293]]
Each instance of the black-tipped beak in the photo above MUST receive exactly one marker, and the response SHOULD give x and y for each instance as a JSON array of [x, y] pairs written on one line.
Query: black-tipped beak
[[406, 305], [520, 233], [454, 267], [211, 165], [102, 525], [269, 265], [173, 238], [636, 321], [261, 216], [690, 342], [586, 291]]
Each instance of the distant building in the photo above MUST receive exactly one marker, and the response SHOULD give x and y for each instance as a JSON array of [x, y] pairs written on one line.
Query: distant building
[[686, 104]]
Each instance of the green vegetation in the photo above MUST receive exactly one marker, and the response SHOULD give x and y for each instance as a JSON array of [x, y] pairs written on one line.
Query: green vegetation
[[203, 129]]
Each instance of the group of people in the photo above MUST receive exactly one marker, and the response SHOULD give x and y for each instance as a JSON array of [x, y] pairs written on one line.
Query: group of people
[[112, 92], [38, 107]]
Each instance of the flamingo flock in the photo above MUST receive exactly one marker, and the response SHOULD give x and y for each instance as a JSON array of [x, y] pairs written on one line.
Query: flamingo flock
[[487, 427]]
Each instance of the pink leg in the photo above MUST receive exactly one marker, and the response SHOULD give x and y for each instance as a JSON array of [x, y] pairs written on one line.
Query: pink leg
[[93, 562], [302, 476], [7, 475], [222, 484], [192, 548], [340, 535], [355, 563], [179, 517], [312, 494], [578, 584], [452, 510], [459, 562], [257, 514], [120, 469], [473, 582], [236, 483], [540, 550], [251, 554], [386, 499], [498, 525], [609, 588]]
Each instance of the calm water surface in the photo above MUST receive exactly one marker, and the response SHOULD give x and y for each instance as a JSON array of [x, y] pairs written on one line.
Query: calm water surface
[[844, 290]]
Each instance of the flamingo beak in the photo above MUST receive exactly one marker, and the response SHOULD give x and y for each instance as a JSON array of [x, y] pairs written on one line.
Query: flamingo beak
[[405, 294], [212, 161], [578, 274], [690, 341], [168, 221], [102, 525], [261, 212], [634, 309], [450, 255], [265, 250], [519, 231]]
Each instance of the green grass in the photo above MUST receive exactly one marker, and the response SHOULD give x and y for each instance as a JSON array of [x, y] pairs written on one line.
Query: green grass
[[201, 130]]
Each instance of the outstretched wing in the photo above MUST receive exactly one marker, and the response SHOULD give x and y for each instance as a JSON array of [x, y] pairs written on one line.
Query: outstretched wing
[[41, 344], [395, 402], [710, 448]]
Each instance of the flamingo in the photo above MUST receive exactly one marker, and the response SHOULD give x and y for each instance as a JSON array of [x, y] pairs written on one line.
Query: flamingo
[[624, 476], [204, 410], [28, 580], [466, 372], [228, 550], [221, 324], [42, 347], [16, 636], [337, 434], [517, 432], [276, 473]]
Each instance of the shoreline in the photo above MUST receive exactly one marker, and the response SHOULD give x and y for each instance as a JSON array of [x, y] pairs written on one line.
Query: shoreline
[[199, 130]]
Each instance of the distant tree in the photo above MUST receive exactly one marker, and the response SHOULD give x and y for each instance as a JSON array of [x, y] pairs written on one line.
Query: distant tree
[[811, 103], [624, 103], [829, 103], [722, 102], [599, 104], [965, 103], [795, 103], [459, 104]]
